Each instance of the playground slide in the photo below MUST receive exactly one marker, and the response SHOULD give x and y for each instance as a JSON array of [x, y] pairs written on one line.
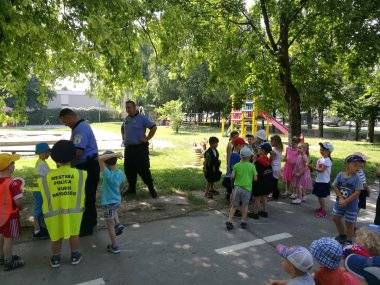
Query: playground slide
[[279, 126]]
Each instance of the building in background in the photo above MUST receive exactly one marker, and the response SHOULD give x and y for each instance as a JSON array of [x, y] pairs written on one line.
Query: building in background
[[74, 99]]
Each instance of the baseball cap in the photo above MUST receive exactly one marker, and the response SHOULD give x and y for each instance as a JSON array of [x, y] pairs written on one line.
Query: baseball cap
[[63, 151], [327, 145], [365, 268], [354, 158], [6, 159], [363, 156], [238, 141], [299, 256], [266, 147], [246, 152], [261, 134], [42, 147], [327, 252]]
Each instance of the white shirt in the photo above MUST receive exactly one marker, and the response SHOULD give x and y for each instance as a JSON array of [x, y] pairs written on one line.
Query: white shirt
[[276, 162], [324, 177]]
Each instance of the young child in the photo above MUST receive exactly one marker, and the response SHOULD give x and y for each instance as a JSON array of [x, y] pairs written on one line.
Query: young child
[[264, 184], [113, 179], [301, 176], [11, 190], [243, 174], [275, 158], [41, 170], [296, 263], [322, 185], [328, 253], [250, 141], [367, 243], [63, 195], [347, 187], [238, 144], [211, 167], [365, 193], [290, 159], [230, 146]]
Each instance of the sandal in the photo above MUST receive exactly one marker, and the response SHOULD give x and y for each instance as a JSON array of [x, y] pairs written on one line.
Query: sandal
[[208, 195], [16, 262]]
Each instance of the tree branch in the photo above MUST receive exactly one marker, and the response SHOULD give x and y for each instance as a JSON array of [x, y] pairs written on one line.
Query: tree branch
[[267, 25], [302, 5], [146, 31]]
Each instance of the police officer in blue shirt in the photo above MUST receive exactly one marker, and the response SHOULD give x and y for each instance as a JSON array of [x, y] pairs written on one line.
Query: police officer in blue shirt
[[86, 159], [136, 143]]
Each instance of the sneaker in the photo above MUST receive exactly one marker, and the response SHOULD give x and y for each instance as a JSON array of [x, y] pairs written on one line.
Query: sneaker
[[41, 234], [229, 226], [208, 195], [317, 210], [253, 216], [113, 249], [296, 201], [244, 225], [14, 257], [16, 262], [341, 238], [293, 196], [321, 214], [55, 261], [119, 229], [76, 258], [263, 214]]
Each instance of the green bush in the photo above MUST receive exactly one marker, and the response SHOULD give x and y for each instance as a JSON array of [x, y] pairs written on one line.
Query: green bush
[[39, 117]]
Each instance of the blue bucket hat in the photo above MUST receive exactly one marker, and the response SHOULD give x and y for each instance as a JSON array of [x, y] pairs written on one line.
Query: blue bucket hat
[[327, 252], [41, 148], [364, 268]]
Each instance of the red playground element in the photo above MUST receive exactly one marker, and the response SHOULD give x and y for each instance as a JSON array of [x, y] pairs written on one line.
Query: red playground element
[[279, 126]]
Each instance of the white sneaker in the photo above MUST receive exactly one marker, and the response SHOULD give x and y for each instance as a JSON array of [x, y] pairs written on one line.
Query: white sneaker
[[303, 200], [296, 201], [293, 196]]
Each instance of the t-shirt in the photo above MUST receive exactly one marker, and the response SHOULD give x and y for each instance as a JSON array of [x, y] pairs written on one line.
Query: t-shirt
[[348, 185], [234, 158], [324, 177], [16, 192], [110, 193], [306, 279], [362, 176], [325, 276], [83, 138], [134, 128], [276, 162], [41, 168], [244, 172]]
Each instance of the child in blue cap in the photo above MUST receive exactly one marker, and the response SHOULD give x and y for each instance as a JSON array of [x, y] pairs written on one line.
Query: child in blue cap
[[41, 170]]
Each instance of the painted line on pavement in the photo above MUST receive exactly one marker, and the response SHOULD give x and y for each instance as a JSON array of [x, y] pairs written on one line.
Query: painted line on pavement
[[99, 281], [240, 246]]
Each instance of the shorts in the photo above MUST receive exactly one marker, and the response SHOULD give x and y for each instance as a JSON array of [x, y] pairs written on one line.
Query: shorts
[[109, 210], [11, 229], [350, 215], [363, 199], [321, 190], [240, 197]]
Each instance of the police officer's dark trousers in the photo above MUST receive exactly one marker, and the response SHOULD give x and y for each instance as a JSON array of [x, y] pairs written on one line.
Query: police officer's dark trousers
[[377, 215], [136, 161], [89, 219]]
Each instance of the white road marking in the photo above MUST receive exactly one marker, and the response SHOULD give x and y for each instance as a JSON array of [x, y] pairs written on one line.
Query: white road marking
[[240, 246], [99, 281]]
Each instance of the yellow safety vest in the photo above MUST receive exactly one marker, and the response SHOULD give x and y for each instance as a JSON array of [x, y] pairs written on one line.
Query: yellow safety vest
[[63, 194]]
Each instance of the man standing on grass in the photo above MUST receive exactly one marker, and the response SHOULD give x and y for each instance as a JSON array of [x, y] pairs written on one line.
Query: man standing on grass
[[136, 143], [86, 159]]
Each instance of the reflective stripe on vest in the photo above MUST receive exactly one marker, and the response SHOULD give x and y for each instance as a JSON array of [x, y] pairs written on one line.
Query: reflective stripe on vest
[[51, 213]]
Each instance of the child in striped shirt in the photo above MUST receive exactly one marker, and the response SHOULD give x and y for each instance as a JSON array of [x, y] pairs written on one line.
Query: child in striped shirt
[[365, 193]]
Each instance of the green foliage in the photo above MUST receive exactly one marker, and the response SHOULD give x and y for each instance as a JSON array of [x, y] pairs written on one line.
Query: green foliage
[[172, 111]]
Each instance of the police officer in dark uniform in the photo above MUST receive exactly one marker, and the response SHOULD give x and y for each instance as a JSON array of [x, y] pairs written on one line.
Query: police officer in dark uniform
[[136, 143], [86, 159]]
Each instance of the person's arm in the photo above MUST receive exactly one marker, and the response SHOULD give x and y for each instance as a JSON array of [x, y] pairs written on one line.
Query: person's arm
[[349, 199], [122, 132], [272, 156], [104, 157]]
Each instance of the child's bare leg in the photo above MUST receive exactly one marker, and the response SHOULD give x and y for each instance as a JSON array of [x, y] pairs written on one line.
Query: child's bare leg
[[244, 213], [339, 225], [36, 226], [322, 203], [74, 243], [56, 247], [111, 231], [212, 186], [232, 214], [116, 218], [350, 228], [264, 202], [7, 247], [1, 246], [256, 205]]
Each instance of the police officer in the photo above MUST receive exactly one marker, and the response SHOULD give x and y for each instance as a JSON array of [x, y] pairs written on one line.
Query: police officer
[[85, 159], [136, 142], [63, 195]]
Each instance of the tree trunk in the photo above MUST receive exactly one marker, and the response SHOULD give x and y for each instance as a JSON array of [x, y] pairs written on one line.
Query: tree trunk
[[290, 92], [371, 124], [274, 116], [309, 120], [358, 126], [320, 121]]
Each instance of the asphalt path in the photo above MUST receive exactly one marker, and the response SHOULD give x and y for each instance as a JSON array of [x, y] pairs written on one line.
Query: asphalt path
[[195, 249]]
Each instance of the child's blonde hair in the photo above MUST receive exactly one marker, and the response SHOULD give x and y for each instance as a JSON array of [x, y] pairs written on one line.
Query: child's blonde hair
[[369, 240], [305, 147], [277, 142]]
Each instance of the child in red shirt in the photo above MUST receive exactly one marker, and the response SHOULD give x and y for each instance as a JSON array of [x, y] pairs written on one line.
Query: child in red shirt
[[11, 190]]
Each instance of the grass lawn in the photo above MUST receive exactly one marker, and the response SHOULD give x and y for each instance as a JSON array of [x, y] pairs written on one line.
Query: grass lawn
[[173, 167]]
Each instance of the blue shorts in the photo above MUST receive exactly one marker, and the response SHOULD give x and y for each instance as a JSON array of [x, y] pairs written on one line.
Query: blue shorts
[[350, 214], [109, 210]]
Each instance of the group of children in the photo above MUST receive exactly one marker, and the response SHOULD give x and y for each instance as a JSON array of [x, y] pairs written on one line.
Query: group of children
[[11, 188]]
